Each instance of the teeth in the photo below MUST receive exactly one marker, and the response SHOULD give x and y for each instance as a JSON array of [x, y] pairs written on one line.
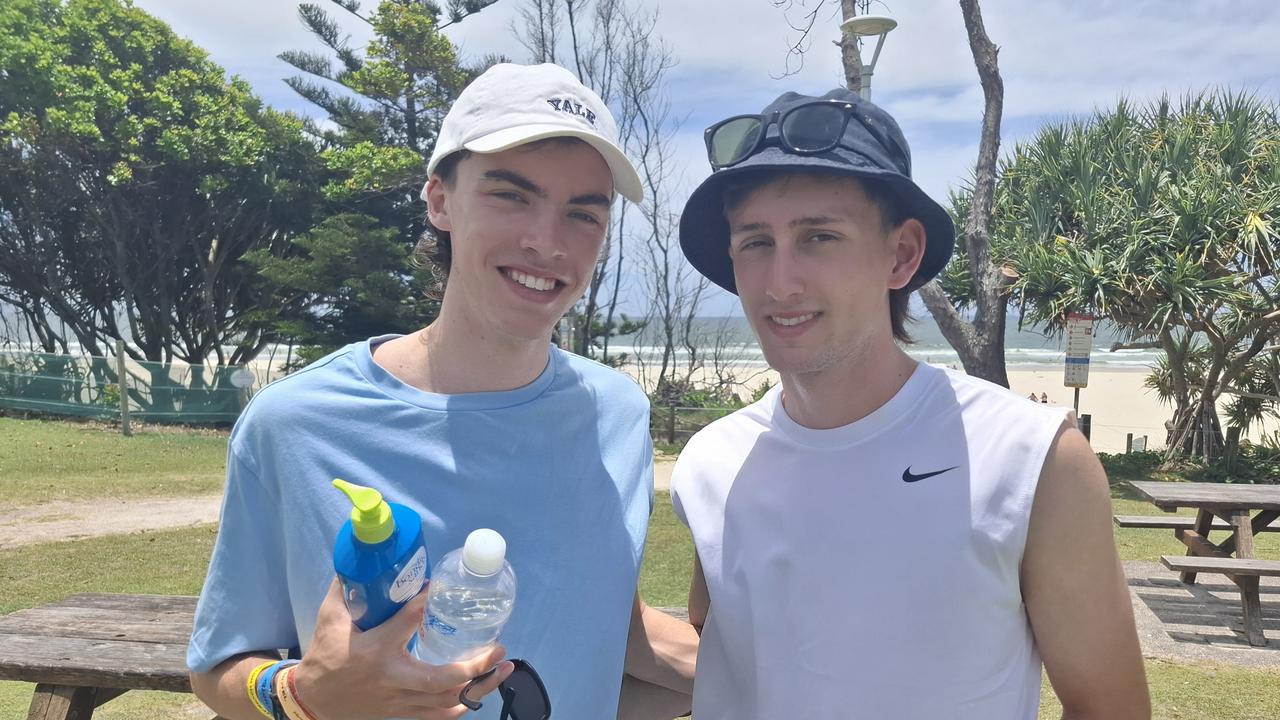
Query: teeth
[[792, 321], [531, 282]]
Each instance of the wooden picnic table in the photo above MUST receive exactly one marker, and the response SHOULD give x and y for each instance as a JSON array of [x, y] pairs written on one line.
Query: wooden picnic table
[[88, 649], [1247, 510]]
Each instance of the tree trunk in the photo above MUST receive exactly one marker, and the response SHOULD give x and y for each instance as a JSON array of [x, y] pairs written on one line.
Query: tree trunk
[[1195, 431], [979, 343], [850, 53]]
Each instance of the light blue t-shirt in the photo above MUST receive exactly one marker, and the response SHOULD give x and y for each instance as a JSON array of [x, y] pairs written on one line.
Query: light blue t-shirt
[[561, 467]]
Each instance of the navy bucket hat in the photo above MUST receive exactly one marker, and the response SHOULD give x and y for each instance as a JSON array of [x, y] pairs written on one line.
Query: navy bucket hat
[[872, 148]]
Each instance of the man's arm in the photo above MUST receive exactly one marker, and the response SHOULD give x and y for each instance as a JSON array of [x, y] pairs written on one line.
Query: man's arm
[[699, 598], [661, 650], [1075, 591], [223, 688], [347, 674], [662, 654]]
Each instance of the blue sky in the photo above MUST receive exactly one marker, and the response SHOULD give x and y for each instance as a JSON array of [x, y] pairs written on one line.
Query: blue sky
[[1058, 58]]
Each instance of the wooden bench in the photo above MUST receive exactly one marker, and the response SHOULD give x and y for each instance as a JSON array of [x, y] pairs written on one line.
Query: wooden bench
[[1228, 566], [1168, 522], [1244, 572], [88, 649]]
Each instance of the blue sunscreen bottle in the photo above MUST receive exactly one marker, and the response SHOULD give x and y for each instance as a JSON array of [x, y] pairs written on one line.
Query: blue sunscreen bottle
[[380, 557]]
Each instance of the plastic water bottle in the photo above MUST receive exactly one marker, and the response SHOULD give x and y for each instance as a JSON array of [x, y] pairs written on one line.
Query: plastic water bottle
[[470, 597]]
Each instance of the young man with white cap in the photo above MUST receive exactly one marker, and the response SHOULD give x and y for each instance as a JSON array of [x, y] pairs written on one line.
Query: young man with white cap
[[474, 421], [876, 537]]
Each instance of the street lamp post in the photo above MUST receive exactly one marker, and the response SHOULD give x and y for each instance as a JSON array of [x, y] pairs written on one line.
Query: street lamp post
[[867, 26]]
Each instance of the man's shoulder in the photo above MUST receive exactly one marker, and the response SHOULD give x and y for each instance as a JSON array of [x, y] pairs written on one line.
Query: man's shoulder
[[969, 389], [295, 394], [729, 430], [604, 381]]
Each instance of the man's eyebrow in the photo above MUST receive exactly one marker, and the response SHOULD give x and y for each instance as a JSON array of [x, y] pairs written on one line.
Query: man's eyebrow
[[749, 227], [524, 183], [798, 222], [591, 199], [515, 178], [814, 220]]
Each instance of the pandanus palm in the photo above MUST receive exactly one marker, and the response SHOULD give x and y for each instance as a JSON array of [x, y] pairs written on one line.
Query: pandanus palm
[[1164, 220]]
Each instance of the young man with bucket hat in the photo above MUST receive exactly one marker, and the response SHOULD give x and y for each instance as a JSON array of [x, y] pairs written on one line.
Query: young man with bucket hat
[[877, 537], [474, 421]]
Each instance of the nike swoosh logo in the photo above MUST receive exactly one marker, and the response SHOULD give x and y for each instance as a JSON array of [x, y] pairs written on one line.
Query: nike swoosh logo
[[907, 476]]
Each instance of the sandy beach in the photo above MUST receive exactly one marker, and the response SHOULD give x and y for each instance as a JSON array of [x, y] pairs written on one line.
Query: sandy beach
[[1115, 400]]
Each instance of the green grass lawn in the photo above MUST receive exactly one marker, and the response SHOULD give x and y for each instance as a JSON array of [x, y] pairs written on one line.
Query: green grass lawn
[[668, 558], [170, 562], [43, 460], [166, 563], [50, 460], [1198, 692]]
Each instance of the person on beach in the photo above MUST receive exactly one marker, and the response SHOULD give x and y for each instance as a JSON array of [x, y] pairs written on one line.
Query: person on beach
[[876, 537], [473, 421]]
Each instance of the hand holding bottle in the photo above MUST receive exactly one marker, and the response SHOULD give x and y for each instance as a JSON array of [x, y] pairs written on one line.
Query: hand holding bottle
[[349, 674]]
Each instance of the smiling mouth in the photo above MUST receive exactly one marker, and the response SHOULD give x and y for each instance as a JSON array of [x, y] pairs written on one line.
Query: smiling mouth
[[792, 321], [533, 282]]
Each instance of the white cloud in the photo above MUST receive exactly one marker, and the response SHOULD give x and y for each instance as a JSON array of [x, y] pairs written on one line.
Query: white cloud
[[245, 36], [939, 168], [1057, 57]]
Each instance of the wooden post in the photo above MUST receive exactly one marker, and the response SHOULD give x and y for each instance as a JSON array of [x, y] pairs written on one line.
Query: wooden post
[[1231, 453], [1204, 434], [1248, 585], [63, 701], [1077, 403], [122, 381], [671, 425], [1086, 422], [1128, 443]]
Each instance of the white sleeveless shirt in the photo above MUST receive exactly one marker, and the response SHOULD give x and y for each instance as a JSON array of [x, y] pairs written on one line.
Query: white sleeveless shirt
[[871, 570]]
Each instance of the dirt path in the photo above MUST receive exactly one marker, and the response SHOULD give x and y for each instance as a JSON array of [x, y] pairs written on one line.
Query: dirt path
[[662, 472], [72, 520]]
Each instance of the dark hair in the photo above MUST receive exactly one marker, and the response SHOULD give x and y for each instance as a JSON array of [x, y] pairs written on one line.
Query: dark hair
[[892, 214], [434, 250]]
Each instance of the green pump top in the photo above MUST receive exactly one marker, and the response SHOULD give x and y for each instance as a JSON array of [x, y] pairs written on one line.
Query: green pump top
[[371, 519]]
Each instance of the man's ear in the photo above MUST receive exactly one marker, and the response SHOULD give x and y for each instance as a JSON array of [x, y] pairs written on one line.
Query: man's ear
[[908, 243], [437, 204]]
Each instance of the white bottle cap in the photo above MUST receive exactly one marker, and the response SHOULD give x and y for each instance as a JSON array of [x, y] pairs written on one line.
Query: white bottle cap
[[484, 552]]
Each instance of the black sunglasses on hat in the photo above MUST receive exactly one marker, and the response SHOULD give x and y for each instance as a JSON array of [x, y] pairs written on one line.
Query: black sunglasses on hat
[[524, 697], [838, 133], [804, 129]]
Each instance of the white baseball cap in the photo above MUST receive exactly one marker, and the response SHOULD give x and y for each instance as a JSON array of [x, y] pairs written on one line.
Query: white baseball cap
[[510, 105]]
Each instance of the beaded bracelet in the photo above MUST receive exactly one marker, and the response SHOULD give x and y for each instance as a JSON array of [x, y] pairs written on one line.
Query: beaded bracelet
[[251, 686]]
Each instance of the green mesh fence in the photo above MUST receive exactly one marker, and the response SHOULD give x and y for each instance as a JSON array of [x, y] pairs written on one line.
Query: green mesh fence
[[88, 386]]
